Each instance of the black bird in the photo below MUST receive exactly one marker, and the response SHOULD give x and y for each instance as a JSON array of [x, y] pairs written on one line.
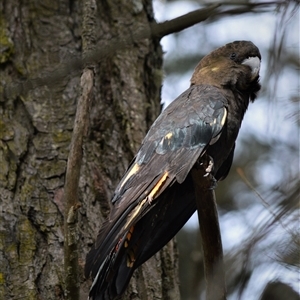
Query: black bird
[[156, 197]]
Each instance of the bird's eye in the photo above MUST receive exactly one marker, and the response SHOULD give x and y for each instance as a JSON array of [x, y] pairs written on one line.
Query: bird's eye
[[233, 56]]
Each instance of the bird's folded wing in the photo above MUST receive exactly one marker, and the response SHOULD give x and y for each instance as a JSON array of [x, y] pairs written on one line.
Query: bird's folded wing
[[179, 136]]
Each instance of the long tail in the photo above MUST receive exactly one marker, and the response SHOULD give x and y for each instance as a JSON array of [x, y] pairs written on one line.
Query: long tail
[[112, 268]]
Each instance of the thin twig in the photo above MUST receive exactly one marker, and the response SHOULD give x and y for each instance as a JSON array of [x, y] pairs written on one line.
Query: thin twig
[[276, 217]]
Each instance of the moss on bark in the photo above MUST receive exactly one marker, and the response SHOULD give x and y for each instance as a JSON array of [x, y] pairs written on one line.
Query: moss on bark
[[35, 133]]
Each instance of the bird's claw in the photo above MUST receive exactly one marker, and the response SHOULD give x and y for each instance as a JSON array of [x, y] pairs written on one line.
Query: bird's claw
[[209, 171], [209, 168]]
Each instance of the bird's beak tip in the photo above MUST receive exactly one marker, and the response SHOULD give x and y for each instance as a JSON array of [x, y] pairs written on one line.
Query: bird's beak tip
[[254, 64]]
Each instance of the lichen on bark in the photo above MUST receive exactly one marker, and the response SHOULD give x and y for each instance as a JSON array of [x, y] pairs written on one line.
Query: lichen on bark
[[35, 135]]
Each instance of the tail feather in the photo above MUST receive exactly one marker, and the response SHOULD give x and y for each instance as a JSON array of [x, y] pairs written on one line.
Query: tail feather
[[112, 268], [114, 274]]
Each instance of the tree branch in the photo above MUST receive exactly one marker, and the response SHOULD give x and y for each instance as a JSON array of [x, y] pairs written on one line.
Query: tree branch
[[71, 188], [210, 230], [159, 30], [155, 30], [72, 284]]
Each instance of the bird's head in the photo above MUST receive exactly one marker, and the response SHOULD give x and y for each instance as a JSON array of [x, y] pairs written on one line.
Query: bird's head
[[235, 65]]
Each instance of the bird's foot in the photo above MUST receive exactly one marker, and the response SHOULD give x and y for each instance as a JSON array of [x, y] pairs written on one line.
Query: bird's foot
[[204, 167], [210, 167], [209, 170]]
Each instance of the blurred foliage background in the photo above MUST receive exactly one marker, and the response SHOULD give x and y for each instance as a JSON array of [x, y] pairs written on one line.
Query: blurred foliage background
[[259, 201]]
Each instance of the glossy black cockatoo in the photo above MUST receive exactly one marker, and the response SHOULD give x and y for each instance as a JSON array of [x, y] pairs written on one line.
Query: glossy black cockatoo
[[156, 196]]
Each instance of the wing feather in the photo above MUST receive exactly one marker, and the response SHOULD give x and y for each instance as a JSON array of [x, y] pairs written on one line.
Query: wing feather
[[178, 137]]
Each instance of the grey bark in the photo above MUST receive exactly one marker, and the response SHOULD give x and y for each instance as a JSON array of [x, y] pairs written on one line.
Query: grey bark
[[35, 134]]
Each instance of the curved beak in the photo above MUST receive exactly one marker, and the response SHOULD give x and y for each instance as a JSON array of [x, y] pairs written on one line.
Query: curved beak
[[254, 64]]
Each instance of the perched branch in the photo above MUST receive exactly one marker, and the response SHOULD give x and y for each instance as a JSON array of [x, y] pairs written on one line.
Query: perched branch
[[155, 30], [210, 230], [72, 285]]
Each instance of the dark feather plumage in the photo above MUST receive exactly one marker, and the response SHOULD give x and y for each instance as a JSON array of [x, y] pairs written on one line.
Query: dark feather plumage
[[155, 197]]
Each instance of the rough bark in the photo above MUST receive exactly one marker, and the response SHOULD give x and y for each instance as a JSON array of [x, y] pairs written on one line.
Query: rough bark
[[35, 134]]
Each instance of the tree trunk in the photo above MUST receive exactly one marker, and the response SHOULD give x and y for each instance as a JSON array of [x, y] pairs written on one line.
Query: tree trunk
[[35, 133]]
